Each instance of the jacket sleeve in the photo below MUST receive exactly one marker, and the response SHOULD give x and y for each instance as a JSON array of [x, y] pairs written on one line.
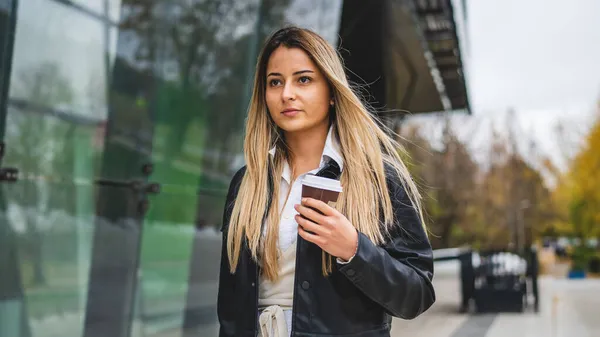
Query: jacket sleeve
[[397, 275], [226, 292]]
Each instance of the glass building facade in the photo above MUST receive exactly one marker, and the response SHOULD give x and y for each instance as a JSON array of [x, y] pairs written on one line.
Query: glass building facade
[[124, 120], [121, 124]]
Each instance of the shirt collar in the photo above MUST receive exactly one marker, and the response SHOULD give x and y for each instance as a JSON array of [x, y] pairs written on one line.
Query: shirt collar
[[331, 151]]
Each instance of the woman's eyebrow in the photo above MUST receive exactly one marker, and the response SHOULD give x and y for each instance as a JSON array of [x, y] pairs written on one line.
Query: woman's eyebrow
[[296, 73], [303, 72]]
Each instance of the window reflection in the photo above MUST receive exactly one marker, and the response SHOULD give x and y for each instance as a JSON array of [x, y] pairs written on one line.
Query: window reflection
[[321, 16], [136, 82], [54, 114]]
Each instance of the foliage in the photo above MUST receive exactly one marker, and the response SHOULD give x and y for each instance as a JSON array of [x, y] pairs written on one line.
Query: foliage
[[495, 205], [577, 195], [581, 257], [584, 206], [505, 201]]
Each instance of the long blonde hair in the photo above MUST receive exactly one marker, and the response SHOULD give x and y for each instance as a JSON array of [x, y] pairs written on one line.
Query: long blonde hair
[[365, 147]]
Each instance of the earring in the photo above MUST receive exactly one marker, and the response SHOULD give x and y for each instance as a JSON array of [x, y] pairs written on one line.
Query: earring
[[331, 103]]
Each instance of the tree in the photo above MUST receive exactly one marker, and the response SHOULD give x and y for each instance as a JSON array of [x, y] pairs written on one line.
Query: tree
[[36, 142], [495, 204], [447, 177], [584, 186], [516, 203]]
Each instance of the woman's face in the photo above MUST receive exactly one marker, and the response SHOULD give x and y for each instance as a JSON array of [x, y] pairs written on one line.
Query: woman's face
[[297, 93]]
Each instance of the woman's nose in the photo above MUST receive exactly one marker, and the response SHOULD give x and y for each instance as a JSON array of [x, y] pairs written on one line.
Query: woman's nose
[[288, 92]]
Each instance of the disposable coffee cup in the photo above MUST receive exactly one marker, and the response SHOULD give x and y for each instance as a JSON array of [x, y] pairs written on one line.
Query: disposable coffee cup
[[324, 189]]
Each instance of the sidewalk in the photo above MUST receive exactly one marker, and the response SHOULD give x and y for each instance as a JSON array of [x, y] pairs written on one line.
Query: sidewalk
[[442, 319], [567, 308]]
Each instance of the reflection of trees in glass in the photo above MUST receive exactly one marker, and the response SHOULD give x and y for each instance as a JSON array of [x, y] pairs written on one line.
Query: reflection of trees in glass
[[179, 43], [201, 55], [200, 48], [36, 143]]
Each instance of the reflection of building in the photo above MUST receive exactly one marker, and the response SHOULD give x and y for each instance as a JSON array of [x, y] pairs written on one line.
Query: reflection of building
[[92, 246]]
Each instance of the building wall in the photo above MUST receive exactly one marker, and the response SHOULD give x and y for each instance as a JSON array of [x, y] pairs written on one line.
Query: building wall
[[95, 92]]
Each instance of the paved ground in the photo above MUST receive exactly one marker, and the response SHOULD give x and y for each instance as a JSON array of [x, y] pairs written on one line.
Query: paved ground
[[441, 319], [567, 308]]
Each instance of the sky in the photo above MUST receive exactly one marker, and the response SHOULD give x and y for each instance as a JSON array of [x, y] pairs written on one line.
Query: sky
[[540, 58], [534, 54]]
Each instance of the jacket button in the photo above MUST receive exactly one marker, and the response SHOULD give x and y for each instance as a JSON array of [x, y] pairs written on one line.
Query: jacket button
[[253, 284], [305, 285], [350, 272]]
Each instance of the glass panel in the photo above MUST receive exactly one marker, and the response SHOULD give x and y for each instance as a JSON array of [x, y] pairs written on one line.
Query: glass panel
[[47, 225], [54, 134], [104, 8], [61, 72], [179, 75], [201, 70]]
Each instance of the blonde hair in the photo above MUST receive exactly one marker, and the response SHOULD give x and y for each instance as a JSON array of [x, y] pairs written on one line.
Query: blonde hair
[[365, 147]]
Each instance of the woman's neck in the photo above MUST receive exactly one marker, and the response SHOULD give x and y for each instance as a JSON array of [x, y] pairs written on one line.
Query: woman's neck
[[307, 149]]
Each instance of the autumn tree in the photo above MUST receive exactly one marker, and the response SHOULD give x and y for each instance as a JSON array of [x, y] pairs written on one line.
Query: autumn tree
[[583, 184], [515, 204], [500, 203], [447, 177]]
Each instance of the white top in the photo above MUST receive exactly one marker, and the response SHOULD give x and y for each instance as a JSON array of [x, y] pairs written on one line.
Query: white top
[[275, 299], [288, 228], [281, 292]]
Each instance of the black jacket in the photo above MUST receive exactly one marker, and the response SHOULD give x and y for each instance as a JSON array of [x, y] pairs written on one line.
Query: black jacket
[[358, 298]]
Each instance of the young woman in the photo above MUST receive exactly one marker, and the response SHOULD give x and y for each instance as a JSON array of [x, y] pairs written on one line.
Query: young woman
[[346, 271]]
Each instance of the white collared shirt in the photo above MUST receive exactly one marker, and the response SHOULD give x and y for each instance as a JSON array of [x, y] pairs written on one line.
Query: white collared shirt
[[288, 228]]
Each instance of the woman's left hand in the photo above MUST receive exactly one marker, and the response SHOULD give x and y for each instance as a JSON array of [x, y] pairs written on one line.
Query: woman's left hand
[[331, 231]]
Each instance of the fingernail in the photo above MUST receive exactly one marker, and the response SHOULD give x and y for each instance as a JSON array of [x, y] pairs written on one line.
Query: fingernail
[[304, 199]]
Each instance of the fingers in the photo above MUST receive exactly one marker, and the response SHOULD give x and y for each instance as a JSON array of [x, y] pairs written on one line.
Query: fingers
[[310, 213], [319, 205], [310, 237], [310, 226]]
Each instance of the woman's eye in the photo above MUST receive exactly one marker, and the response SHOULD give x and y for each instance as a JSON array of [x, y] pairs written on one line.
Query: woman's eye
[[274, 83], [304, 79]]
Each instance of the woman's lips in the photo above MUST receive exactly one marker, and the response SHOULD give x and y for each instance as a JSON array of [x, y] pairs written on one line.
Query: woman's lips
[[290, 112]]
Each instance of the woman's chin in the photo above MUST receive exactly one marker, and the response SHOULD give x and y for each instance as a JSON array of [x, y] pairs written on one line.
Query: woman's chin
[[294, 126], [297, 126]]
